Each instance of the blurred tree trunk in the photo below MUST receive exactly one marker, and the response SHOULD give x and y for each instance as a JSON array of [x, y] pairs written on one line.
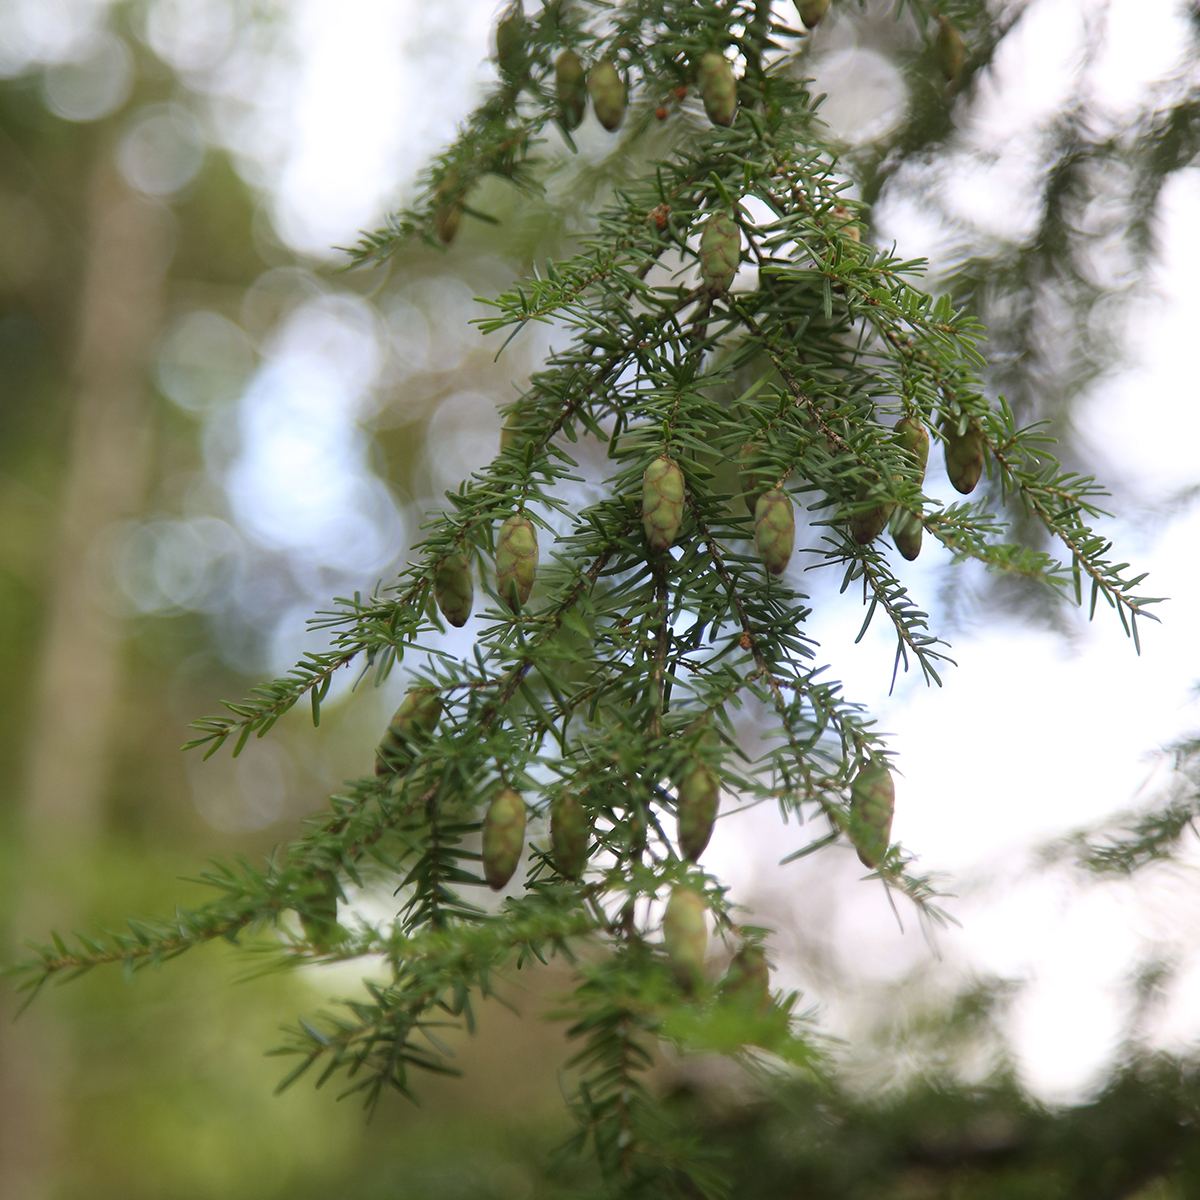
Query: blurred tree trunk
[[79, 675], [129, 243]]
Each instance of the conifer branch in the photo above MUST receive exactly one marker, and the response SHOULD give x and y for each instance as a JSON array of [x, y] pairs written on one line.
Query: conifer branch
[[604, 683]]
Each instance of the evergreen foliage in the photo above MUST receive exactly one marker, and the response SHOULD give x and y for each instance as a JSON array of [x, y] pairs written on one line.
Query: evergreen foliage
[[618, 642]]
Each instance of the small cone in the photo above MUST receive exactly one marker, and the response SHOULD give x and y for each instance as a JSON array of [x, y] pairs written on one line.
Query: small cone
[[447, 212], [845, 224], [570, 81], [720, 252], [950, 51], [512, 433], [516, 561], [570, 836], [751, 484], [907, 531], [446, 222], [318, 919], [718, 88], [609, 94], [510, 43], [698, 798], [964, 455], [747, 983], [685, 931], [872, 803], [453, 589], [914, 438], [774, 530], [419, 713], [503, 837], [811, 11], [866, 526], [662, 502]]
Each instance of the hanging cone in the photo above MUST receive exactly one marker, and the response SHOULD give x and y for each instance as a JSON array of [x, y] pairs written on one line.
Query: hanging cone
[[845, 224], [453, 589], [720, 252], [872, 803], [570, 836], [774, 530], [447, 212], [446, 222], [662, 502], [503, 837], [419, 713], [718, 88], [811, 11], [747, 983], [907, 531], [516, 561], [685, 931], [570, 81], [513, 432], [867, 525], [950, 51], [698, 796], [510, 43], [609, 94], [964, 455], [914, 438]]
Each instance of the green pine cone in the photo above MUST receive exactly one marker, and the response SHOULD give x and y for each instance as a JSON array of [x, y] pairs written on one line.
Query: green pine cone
[[516, 561], [907, 531], [718, 88], [866, 526], [419, 713], [964, 455], [662, 502], [914, 438], [720, 252], [513, 432], [697, 800], [503, 837], [446, 221], [570, 836], [318, 918], [845, 224], [747, 983], [811, 11], [609, 94], [510, 42], [752, 486], [685, 931], [872, 803], [774, 529], [950, 51], [447, 212], [570, 80], [453, 589]]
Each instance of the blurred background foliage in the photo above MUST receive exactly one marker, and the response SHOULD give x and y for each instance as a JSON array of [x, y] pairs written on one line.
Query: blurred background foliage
[[207, 429]]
